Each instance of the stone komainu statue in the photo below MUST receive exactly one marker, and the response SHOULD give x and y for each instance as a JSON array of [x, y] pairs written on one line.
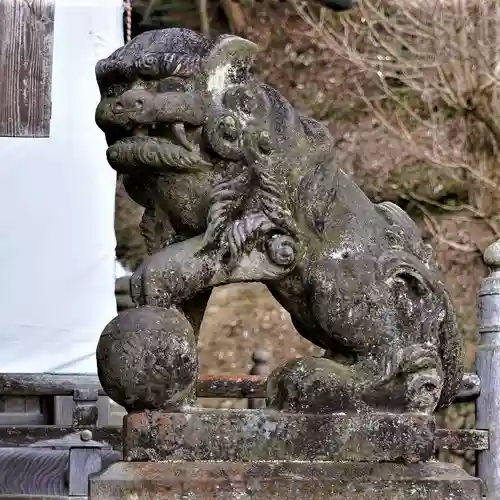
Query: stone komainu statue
[[237, 186]]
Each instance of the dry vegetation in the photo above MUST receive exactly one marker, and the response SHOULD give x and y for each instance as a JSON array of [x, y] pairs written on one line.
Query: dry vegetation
[[427, 73]]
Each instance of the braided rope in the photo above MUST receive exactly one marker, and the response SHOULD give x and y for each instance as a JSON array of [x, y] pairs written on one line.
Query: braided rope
[[128, 19]]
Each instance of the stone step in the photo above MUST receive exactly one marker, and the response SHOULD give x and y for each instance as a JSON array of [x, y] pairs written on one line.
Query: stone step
[[251, 435], [284, 481]]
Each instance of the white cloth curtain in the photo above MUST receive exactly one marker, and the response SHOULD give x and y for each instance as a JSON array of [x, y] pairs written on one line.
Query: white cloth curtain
[[57, 259]]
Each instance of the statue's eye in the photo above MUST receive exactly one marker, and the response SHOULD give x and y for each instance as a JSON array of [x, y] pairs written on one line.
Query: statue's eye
[[171, 84], [241, 99]]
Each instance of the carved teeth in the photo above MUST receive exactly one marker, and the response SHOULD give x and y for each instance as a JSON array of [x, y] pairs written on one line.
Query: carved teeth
[[179, 132]]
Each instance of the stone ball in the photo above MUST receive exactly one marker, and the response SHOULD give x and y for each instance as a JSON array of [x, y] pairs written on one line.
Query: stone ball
[[147, 359]]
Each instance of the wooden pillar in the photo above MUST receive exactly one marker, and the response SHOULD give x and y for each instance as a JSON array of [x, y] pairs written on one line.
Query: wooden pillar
[[488, 369], [260, 367], [27, 36]]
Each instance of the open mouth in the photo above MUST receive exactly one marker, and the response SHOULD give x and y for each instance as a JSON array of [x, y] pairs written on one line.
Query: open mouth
[[176, 130], [164, 147]]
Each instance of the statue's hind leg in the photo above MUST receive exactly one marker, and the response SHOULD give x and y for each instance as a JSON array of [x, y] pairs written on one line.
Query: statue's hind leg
[[319, 385], [388, 314]]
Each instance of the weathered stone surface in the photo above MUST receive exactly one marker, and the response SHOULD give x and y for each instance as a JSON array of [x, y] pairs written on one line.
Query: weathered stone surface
[[283, 481], [322, 385], [143, 365], [254, 435], [238, 186]]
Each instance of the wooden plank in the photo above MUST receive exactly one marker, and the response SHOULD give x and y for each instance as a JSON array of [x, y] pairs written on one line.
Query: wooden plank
[[242, 386], [64, 407], [25, 404], [25, 435], [116, 414], [27, 34], [462, 439], [63, 411], [470, 388], [220, 386], [32, 497], [29, 471], [21, 418], [21, 410], [46, 384], [488, 369], [83, 462], [47, 472], [261, 366]]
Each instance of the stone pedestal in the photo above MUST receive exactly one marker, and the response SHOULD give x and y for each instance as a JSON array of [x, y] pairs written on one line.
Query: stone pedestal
[[283, 481], [263, 454]]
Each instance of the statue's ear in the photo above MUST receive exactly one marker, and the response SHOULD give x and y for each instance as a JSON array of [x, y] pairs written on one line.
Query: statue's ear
[[228, 55]]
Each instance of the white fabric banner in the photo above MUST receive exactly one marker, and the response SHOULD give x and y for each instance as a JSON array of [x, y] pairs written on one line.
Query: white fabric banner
[[57, 249]]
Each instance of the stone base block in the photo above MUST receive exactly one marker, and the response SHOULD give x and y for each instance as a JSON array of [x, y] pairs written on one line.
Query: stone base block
[[283, 481], [259, 435]]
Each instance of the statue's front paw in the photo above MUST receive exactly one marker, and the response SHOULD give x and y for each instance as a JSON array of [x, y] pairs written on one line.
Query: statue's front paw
[[147, 285]]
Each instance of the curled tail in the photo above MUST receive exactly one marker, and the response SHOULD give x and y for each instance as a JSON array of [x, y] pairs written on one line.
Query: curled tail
[[450, 341], [451, 351]]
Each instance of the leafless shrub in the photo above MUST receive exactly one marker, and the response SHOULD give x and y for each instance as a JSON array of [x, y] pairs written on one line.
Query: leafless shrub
[[428, 71]]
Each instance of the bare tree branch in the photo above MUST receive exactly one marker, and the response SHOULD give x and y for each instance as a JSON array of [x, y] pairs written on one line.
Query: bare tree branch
[[429, 73], [203, 12]]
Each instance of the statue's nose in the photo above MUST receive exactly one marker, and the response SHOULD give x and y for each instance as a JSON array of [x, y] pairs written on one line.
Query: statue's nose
[[131, 100]]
